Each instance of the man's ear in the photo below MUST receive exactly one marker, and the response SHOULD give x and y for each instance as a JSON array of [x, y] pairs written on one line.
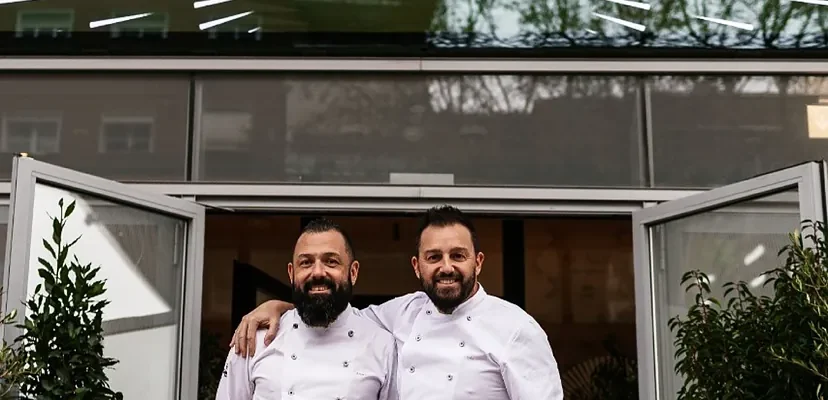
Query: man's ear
[[478, 263], [354, 272], [415, 263], [290, 273]]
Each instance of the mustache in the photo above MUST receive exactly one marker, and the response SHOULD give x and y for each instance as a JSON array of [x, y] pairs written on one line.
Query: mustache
[[450, 275], [319, 282]]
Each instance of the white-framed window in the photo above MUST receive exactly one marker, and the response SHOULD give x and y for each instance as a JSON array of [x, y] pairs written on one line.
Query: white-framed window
[[45, 23], [126, 134], [31, 134], [155, 24]]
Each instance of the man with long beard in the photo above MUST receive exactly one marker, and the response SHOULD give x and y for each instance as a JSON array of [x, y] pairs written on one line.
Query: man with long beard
[[325, 349], [455, 342]]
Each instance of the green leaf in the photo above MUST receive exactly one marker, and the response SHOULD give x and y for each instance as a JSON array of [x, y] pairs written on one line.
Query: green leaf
[[69, 210]]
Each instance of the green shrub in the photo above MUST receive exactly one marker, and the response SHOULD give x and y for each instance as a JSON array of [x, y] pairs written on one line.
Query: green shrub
[[759, 347], [12, 363], [63, 335]]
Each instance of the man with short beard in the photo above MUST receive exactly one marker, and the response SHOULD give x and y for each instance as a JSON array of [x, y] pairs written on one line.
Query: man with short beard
[[325, 349], [456, 342]]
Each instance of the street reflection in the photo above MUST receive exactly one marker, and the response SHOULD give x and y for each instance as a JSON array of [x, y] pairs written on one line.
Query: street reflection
[[431, 25]]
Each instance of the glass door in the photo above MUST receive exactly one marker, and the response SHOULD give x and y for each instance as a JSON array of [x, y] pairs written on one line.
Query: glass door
[[149, 248], [731, 233]]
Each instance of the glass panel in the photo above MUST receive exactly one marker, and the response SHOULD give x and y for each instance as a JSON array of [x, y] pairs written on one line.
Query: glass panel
[[502, 130], [141, 255], [731, 244], [418, 27], [580, 288], [714, 130], [71, 120]]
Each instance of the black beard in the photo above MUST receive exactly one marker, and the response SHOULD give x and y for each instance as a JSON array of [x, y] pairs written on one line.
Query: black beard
[[320, 310], [447, 301]]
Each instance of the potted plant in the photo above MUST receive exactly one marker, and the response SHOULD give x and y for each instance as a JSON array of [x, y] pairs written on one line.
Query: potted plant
[[63, 335], [759, 347]]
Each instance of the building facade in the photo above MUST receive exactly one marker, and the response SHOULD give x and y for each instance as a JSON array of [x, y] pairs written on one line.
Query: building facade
[[230, 121]]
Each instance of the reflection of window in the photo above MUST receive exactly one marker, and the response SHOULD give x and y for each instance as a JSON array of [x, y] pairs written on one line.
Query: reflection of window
[[249, 26], [154, 25], [38, 23], [226, 130], [36, 135], [126, 135]]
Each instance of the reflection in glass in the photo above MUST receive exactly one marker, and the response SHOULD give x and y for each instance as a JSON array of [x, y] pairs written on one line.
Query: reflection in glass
[[496, 129], [709, 131], [416, 27], [732, 244], [126, 128], [141, 256]]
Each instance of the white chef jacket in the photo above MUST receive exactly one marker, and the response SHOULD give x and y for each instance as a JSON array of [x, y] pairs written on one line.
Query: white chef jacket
[[487, 349], [352, 359]]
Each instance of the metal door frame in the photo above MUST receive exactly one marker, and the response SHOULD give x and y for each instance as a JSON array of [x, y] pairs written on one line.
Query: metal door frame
[[807, 178]]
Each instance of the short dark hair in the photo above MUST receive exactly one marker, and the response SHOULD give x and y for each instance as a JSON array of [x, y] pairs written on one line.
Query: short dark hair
[[322, 225], [445, 215]]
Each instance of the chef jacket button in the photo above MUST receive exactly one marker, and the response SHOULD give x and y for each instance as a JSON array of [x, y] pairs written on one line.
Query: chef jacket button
[[295, 326], [428, 312], [345, 364], [462, 344], [468, 318], [450, 377], [290, 393], [293, 356], [411, 370], [418, 338], [350, 333]]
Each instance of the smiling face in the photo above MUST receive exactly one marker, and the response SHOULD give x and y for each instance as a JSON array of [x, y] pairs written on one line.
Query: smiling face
[[322, 275], [447, 265]]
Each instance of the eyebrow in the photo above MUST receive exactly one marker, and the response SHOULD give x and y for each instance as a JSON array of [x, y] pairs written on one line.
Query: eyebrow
[[328, 254], [452, 250]]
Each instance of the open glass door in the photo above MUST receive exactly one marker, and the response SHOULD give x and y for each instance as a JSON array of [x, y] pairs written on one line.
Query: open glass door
[[732, 233], [150, 250]]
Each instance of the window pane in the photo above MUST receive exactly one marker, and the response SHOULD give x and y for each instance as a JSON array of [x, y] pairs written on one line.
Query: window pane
[[82, 101], [506, 130], [737, 243], [141, 258], [710, 131], [580, 287]]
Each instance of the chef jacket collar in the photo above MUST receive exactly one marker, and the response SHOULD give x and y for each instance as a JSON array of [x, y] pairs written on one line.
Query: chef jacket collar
[[465, 307]]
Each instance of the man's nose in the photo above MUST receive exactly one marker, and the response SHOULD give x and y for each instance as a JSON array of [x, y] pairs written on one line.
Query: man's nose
[[446, 265], [318, 270]]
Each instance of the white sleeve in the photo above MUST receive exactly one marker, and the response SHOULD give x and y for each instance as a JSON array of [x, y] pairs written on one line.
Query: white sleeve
[[529, 369], [386, 314], [389, 389], [235, 381]]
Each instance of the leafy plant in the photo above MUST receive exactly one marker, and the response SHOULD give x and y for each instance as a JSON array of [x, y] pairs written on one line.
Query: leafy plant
[[63, 335], [763, 347], [12, 363]]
